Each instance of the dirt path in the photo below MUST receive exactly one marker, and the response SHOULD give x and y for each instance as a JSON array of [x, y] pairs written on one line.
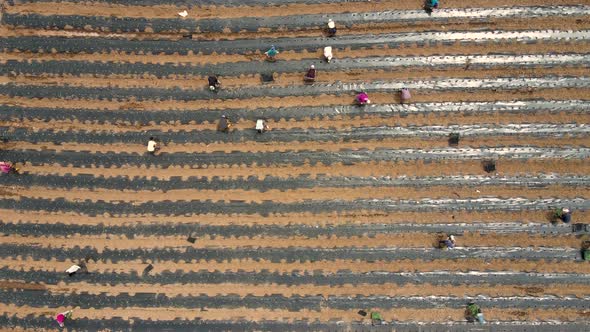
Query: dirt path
[[400, 143], [462, 265], [507, 46], [322, 100], [405, 240], [307, 290], [293, 79], [410, 168], [541, 23], [296, 195], [336, 122], [321, 219], [399, 314]]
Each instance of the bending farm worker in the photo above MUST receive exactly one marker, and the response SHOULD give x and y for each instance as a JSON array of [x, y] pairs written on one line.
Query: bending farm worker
[[328, 53], [62, 317], [272, 53], [261, 126], [214, 83], [152, 146], [310, 75], [363, 98], [224, 124], [5, 167], [73, 269], [564, 214], [405, 95], [331, 28]]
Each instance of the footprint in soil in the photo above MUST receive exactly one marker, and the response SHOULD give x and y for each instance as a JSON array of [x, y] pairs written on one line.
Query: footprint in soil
[[519, 313], [531, 290]]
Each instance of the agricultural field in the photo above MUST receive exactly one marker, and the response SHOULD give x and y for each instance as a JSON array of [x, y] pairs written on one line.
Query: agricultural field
[[338, 208]]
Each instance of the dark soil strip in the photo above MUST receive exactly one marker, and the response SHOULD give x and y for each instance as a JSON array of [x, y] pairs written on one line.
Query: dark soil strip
[[289, 255], [105, 69], [346, 230], [355, 134], [293, 303], [283, 23], [266, 183], [136, 324], [297, 158], [338, 88], [183, 47], [9, 112], [317, 278]]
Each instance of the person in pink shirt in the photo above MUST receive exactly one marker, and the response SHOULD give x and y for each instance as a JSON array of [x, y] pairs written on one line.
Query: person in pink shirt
[[363, 98], [6, 167], [61, 317]]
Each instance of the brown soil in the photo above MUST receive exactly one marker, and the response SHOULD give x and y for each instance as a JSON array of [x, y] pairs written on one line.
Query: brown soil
[[322, 100], [310, 290], [406, 240], [398, 314], [288, 219], [410, 168], [544, 23], [21, 285], [266, 147], [339, 122], [463, 265], [200, 12], [508, 46], [298, 195]]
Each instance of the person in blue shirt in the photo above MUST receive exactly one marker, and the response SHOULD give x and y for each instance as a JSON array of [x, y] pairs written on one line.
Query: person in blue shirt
[[271, 54]]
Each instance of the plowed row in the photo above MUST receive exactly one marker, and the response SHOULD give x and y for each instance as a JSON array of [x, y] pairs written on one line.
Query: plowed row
[[338, 208]]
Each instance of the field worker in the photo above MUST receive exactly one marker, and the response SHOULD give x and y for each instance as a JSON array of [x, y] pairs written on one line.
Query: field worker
[[261, 126], [73, 269], [214, 83], [405, 95], [331, 28], [224, 124], [328, 53], [152, 146], [62, 317], [310, 75], [271, 54], [363, 98]]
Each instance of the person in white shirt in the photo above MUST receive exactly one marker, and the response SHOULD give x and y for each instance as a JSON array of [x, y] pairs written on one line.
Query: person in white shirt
[[261, 126], [331, 28], [72, 270], [152, 146]]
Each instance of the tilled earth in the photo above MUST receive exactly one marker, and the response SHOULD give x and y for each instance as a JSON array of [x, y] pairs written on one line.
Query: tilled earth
[[337, 209]]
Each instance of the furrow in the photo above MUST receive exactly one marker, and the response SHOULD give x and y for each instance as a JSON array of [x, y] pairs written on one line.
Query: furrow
[[36, 321], [184, 47], [293, 280], [466, 265], [338, 88], [399, 240], [266, 208], [242, 289], [293, 303], [524, 107], [105, 69], [293, 158], [291, 254], [284, 23], [306, 231], [266, 183], [316, 135]]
